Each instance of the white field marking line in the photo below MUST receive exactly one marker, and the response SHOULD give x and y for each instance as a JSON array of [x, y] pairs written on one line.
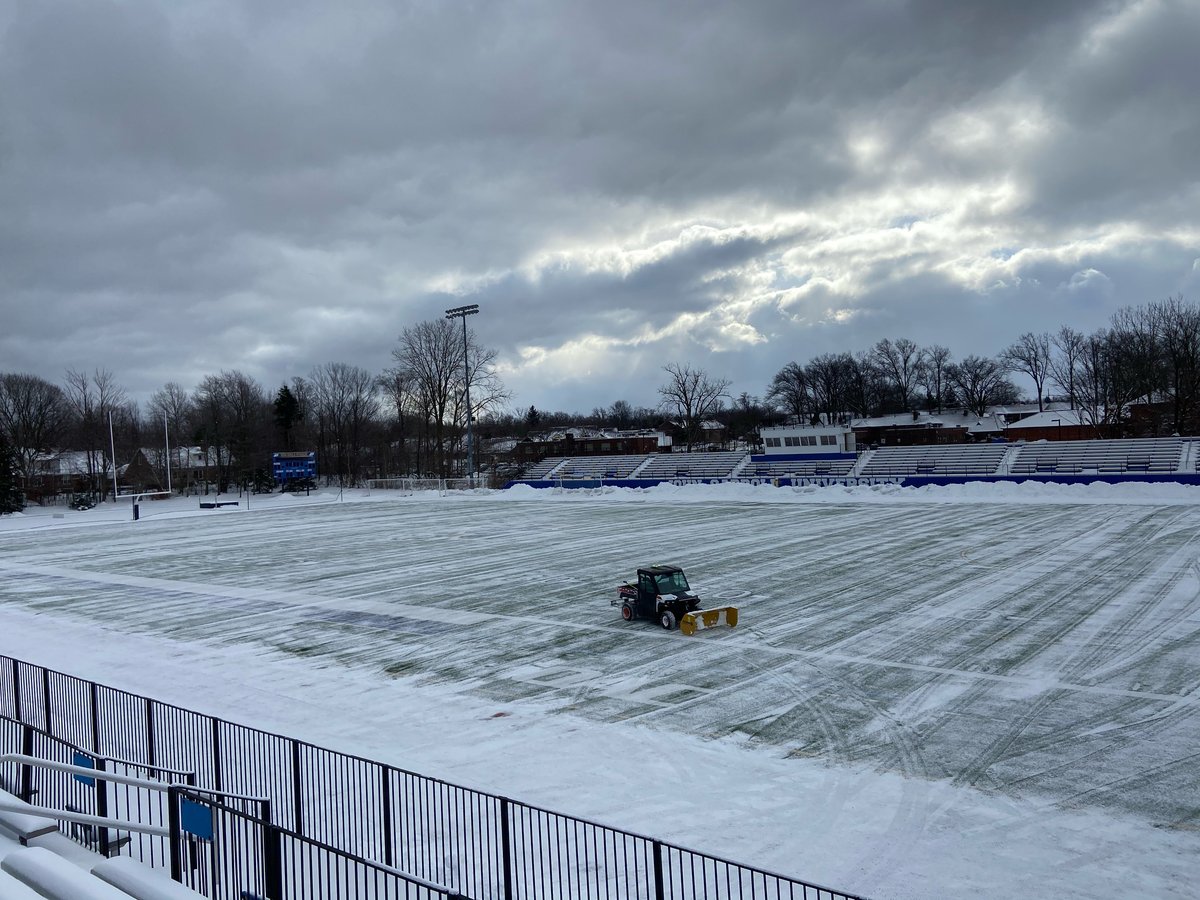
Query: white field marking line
[[462, 617], [434, 614]]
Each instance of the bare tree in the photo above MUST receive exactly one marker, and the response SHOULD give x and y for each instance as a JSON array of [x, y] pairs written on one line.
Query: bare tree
[[901, 363], [790, 392], [1109, 377], [1069, 346], [933, 375], [398, 391], [173, 405], [869, 390], [430, 354], [33, 416], [620, 414], [692, 396], [345, 404], [981, 383], [231, 412], [1030, 355], [1179, 343], [91, 400], [830, 378]]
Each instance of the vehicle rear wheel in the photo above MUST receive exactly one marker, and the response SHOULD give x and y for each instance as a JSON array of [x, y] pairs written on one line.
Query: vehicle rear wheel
[[626, 612], [668, 620]]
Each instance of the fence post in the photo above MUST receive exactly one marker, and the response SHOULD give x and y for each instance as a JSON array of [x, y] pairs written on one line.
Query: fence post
[[658, 871], [216, 753], [272, 855], [102, 806], [26, 769], [16, 683], [176, 837], [46, 699], [388, 853], [506, 848], [151, 756], [95, 717], [297, 799]]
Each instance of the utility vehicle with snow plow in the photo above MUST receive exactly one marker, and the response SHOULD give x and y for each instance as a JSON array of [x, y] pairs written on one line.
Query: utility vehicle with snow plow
[[662, 593]]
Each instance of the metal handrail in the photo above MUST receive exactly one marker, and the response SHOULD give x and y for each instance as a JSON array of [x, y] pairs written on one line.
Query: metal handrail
[[82, 818], [117, 778], [113, 759]]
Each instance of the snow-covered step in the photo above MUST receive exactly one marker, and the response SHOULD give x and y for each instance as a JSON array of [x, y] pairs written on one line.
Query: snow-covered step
[[8, 845], [55, 879], [24, 826], [140, 881], [12, 889]]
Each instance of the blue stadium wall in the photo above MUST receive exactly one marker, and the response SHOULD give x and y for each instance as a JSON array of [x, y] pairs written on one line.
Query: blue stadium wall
[[902, 480]]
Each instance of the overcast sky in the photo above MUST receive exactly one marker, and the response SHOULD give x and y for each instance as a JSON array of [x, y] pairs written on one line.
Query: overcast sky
[[262, 185]]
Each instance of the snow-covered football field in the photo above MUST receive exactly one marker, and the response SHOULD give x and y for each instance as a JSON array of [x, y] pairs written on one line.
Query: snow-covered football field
[[984, 690]]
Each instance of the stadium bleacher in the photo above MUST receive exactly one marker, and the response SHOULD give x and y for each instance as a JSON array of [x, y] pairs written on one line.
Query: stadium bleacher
[[718, 464], [811, 468], [591, 467], [543, 468], [38, 861], [1139, 455], [1110, 457], [936, 459]]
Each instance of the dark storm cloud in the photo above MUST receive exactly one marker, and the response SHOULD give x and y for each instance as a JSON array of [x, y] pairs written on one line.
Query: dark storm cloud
[[271, 186]]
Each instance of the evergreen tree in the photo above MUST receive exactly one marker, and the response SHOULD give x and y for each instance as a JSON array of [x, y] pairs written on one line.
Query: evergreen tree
[[533, 419], [287, 414], [11, 498]]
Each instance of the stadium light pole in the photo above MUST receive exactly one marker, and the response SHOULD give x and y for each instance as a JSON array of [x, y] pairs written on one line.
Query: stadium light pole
[[461, 312]]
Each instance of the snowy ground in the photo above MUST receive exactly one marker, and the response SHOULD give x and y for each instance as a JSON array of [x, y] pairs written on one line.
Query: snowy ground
[[985, 690]]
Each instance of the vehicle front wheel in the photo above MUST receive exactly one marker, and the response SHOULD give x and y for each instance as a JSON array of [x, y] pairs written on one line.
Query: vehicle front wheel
[[668, 620], [626, 612]]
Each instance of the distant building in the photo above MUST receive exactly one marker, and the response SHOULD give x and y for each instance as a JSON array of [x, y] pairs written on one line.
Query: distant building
[[590, 442], [808, 440], [1055, 425]]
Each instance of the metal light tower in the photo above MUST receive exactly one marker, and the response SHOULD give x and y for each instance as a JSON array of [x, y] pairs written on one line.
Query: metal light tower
[[461, 312]]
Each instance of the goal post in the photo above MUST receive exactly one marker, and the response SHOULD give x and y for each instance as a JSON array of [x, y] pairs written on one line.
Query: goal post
[[403, 486]]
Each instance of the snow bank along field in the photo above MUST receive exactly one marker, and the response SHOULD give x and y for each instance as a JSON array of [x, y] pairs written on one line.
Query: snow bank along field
[[984, 690]]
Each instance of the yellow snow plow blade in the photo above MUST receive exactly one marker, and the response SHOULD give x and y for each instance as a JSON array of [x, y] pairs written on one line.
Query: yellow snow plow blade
[[708, 618]]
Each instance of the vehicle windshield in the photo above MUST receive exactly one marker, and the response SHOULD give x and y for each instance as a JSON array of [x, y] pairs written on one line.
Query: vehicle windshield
[[675, 583]]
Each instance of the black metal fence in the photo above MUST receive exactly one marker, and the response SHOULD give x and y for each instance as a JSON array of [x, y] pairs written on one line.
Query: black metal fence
[[342, 826]]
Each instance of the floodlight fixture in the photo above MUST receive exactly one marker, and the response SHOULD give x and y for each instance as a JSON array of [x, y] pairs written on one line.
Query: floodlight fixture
[[461, 312]]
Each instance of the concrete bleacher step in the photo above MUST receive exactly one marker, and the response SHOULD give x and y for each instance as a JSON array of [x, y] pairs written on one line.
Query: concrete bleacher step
[[62, 868], [139, 881], [12, 889], [49, 876], [24, 826]]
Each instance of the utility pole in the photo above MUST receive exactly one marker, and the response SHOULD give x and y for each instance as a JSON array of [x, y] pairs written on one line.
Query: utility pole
[[461, 312]]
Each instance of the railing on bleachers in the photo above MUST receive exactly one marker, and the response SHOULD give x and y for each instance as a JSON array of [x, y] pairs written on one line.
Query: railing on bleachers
[[801, 468], [333, 813], [936, 459], [598, 467], [1117, 456], [716, 464]]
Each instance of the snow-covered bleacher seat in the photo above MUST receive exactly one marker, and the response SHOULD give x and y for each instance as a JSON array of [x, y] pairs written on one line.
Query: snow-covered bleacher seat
[[804, 468], [54, 878], [719, 464], [1139, 455], [936, 459], [597, 467], [139, 881], [38, 861], [543, 468], [10, 887]]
